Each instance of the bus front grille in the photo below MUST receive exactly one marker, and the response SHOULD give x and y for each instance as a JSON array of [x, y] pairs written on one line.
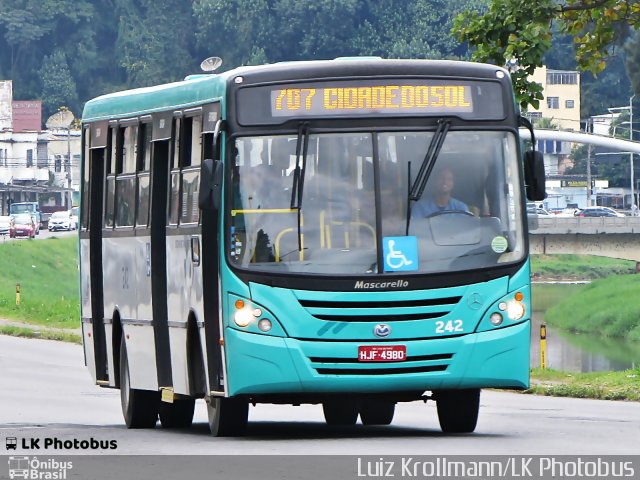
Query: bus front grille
[[379, 311]]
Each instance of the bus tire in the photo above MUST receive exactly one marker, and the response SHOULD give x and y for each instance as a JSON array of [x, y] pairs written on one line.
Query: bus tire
[[227, 416], [340, 412], [377, 412], [139, 407], [458, 410], [178, 414]]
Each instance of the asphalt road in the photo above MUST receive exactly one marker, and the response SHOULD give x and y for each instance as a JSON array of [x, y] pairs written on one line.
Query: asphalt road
[[45, 391]]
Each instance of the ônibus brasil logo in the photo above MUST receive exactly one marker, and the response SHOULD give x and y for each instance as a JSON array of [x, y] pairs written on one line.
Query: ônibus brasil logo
[[34, 469]]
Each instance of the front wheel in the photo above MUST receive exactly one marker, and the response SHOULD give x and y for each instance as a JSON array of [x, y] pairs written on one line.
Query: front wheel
[[340, 412], [458, 410], [227, 416], [377, 412], [139, 407]]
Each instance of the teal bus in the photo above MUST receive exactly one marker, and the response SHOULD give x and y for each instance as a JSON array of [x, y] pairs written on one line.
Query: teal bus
[[350, 233]]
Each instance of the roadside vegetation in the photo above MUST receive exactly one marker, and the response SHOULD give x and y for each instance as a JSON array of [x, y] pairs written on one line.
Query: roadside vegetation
[[604, 306], [600, 385], [578, 267], [47, 272]]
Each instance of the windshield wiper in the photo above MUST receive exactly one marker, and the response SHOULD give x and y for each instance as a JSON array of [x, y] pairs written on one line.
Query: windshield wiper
[[417, 188], [302, 147]]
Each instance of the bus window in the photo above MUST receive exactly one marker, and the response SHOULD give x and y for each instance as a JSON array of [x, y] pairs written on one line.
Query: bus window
[[109, 205], [190, 211], [126, 200], [129, 149], [174, 198], [196, 141], [144, 163]]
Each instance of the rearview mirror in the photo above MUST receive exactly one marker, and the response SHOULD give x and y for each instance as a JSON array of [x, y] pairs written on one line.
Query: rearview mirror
[[534, 177], [210, 184]]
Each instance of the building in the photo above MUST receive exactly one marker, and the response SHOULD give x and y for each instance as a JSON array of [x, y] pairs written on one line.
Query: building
[[561, 90], [35, 164]]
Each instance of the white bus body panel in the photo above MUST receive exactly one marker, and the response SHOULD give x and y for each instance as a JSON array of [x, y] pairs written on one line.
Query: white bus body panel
[[125, 274], [85, 308], [184, 295]]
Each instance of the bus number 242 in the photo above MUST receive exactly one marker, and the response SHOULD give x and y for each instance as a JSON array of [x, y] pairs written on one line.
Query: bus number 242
[[450, 326]]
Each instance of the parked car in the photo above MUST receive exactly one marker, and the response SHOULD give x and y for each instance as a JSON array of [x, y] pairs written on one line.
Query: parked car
[[23, 226], [599, 212], [5, 225], [61, 221], [541, 212], [75, 216]]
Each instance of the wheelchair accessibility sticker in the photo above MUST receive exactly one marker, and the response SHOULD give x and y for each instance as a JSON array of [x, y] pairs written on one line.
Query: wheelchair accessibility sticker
[[400, 254]]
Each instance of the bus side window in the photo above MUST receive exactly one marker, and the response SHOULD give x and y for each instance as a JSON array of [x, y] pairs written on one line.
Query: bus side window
[[144, 162], [113, 159], [174, 195], [126, 179]]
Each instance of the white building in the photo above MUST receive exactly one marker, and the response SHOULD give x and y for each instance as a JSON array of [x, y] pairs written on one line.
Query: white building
[[36, 165]]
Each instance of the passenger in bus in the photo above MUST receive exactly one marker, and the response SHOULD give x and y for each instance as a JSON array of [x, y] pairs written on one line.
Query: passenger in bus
[[440, 199]]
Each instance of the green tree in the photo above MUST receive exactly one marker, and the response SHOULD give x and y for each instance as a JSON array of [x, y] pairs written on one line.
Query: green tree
[[58, 86], [520, 30]]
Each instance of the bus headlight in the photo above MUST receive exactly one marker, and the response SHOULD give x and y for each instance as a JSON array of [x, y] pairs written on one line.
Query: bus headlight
[[515, 310], [264, 325], [243, 317], [495, 319]]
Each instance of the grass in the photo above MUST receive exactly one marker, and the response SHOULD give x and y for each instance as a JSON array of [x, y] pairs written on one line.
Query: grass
[[600, 385], [45, 334], [578, 267], [47, 271], [607, 307], [544, 296]]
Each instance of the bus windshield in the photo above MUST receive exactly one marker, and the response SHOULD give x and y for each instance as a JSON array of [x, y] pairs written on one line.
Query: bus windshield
[[355, 194]]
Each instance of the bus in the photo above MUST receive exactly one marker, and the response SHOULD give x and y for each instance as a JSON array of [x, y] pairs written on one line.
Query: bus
[[259, 236]]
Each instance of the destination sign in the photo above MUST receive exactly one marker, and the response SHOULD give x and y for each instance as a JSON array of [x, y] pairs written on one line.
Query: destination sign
[[373, 99], [399, 97]]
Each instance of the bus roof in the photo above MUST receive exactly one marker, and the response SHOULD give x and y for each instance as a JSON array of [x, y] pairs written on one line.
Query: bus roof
[[140, 101], [200, 89]]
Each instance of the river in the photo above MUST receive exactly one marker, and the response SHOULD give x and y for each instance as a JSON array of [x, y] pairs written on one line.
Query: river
[[572, 352]]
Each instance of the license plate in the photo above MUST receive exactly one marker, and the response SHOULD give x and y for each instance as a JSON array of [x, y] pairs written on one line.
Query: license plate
[[382, 353]]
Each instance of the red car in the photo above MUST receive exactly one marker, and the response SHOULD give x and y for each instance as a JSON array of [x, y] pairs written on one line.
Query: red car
[[23, 226]]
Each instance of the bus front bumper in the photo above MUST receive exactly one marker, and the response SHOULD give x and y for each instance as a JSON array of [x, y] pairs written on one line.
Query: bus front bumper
[[260, 364]]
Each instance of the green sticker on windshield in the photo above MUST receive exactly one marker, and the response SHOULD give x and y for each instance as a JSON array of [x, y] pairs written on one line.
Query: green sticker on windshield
[[499, 244]]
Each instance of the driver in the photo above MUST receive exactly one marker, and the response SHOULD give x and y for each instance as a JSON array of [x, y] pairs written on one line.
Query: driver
[[441, 199]]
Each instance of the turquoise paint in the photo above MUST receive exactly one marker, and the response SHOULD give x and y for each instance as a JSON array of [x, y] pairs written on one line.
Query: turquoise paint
[[262, 364]]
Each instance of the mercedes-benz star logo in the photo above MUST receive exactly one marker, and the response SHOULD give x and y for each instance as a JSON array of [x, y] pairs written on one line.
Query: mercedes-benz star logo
[[382, 330], [475, 301]]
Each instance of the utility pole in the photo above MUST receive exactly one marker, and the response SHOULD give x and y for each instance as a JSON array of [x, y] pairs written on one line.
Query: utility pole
[[589, 130], [633, 193]]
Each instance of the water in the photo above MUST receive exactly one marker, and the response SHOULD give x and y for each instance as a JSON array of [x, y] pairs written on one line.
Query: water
[[574, 352]]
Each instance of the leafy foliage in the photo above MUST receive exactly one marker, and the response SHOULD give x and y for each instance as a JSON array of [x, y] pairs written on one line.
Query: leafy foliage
[[519, 31]]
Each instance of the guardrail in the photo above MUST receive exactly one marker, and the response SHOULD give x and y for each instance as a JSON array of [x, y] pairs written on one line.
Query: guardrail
[[552, 225]]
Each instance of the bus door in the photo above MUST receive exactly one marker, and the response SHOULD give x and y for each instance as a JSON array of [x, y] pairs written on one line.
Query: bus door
[[92, 278]]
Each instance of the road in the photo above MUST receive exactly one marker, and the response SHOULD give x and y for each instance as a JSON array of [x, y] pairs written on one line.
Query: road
[[45, 391]]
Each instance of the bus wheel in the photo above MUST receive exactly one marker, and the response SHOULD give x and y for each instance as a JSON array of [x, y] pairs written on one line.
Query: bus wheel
[[178, 414], [139, 407], [458, 410], [340, 412], [377, 412], [227, 416]]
